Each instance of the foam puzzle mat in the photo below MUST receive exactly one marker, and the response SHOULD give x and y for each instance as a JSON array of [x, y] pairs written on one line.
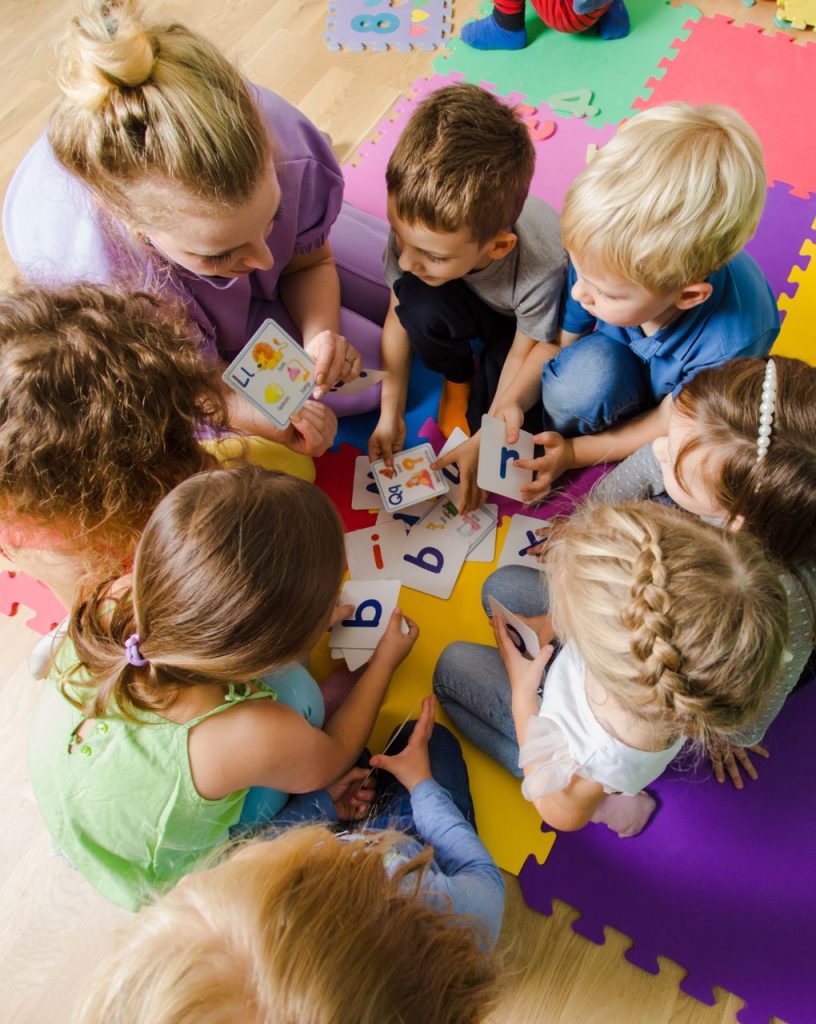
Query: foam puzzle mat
[[358, 25]]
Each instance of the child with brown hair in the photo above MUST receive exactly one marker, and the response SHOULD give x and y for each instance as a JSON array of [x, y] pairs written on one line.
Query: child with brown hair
[[164, 722], [471, 256], [103, 398], [671, 630], [371, 927]]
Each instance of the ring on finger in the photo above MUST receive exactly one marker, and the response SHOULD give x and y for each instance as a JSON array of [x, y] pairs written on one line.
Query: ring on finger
[[350, 358]]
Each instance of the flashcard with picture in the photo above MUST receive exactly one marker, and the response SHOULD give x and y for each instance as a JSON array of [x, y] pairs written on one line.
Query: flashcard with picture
[[374, 601], [473, 526], [497, 472], [484, 550], [409, 517], [410, 480], [272, 372], [524, 533]]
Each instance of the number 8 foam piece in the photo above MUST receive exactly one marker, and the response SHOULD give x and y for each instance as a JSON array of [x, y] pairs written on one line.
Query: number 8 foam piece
[[387, 24]]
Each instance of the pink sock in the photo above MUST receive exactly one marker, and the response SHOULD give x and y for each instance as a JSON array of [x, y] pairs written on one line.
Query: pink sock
[[337, 687], [626, 815]]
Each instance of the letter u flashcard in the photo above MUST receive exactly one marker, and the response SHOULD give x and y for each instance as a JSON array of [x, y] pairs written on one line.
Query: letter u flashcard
[[374, 601], [410, 480], [272, 372], [432, 561]]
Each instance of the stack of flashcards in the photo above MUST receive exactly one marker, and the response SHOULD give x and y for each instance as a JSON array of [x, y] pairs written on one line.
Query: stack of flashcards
[[424, 545], [276, 375], [356, 637]]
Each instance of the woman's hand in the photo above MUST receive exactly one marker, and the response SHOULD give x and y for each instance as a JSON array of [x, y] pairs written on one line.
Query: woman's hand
[[334, 360], [395, 644], [412, 765], [312, 429], [525, 675]]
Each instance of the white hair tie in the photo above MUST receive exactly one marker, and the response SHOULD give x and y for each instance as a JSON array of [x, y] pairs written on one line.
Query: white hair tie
[[767, 407]]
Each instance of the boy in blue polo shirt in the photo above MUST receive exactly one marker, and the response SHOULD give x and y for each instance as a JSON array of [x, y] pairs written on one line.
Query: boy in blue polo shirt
[[658, 287]]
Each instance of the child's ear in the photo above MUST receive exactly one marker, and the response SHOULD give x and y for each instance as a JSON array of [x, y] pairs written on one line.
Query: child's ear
[[502, 245], [693, 295]]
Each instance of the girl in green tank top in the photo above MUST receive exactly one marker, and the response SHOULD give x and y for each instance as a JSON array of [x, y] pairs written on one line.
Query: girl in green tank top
[[178, 695]]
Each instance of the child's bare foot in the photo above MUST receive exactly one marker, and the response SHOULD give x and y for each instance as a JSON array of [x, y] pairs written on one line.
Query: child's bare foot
[[626, 815]]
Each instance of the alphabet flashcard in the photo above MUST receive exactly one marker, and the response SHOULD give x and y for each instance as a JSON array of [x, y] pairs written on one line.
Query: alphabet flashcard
[[497, 473], [409, 517], [375, 552], [523, 636], [473, 526], [366, 379], [273, 373], [365, 494], [410, 480], [485, 548], [373, 601], [432, 560], [521, 536]]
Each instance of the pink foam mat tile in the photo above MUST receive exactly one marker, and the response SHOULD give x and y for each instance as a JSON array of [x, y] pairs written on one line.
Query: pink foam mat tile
[[767, 78], [560, 143], [18, 589]]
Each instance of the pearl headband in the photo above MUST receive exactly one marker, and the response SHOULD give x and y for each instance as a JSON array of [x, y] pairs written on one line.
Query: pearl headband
[[767, 407]]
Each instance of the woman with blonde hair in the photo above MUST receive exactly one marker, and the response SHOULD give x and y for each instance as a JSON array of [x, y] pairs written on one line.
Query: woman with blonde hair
[[313, 928], [163, 169]]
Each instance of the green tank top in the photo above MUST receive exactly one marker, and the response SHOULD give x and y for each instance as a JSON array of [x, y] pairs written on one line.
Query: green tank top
[[120, 804]]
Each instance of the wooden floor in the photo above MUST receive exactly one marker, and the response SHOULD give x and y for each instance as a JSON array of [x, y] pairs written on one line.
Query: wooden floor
[[53, 926]]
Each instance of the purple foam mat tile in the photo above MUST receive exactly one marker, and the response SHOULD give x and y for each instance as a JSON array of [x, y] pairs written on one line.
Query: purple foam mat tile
[[559, 156], [358, 25], [722, 882], [787, 221], [570, 489]]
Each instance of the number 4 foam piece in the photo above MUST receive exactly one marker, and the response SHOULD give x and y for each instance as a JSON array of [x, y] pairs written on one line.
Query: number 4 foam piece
[[373, 601], [431, 561], [520, 537], [496, 472]]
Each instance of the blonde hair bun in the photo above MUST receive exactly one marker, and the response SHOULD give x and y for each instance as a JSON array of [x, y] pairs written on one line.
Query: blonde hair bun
[[107, 47]]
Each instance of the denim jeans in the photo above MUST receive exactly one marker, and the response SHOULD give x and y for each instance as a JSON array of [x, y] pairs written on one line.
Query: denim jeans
[[593, 384]]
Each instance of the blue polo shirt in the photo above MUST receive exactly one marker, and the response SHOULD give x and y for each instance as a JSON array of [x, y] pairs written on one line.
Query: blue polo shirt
[[740, 318]]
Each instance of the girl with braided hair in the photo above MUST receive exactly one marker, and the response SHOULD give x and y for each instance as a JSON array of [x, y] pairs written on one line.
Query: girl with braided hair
[[671, 630]]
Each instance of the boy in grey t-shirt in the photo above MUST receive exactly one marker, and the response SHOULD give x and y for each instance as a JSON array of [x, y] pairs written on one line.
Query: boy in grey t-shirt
[[470, 256]]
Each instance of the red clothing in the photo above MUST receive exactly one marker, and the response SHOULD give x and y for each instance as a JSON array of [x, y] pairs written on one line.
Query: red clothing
[[556, 14]]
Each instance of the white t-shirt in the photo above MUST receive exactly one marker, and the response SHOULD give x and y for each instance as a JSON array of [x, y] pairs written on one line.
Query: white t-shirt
[[566, 739]]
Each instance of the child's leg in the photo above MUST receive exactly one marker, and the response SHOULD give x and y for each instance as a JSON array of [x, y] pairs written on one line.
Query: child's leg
[[472, 686], [442, 323], [502, 29], [570, 16], [521, 590], [592, 385]]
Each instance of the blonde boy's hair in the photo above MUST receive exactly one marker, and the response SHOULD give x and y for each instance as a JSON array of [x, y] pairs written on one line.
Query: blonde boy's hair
[[464, 160], [683, 623], [304, 929], [674, 195], [143, 100]]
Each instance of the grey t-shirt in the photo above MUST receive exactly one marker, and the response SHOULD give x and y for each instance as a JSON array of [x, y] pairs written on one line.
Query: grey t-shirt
[[525, 284]]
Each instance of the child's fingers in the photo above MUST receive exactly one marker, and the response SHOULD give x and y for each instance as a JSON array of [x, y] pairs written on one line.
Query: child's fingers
[[425, 722], [757, 749]]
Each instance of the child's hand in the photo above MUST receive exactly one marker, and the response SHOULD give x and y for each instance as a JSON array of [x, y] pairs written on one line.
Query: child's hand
[[388, 438], [340, 612], [513, 416], [728, 758], [352, 794], [544, 533], [558, 457], [312, 429], [525, 675], [466, 457], [334, 360], [395, 645], [412, 765]]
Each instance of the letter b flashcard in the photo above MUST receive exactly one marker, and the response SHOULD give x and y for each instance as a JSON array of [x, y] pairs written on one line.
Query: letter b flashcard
[[432, 561], [373, 601]]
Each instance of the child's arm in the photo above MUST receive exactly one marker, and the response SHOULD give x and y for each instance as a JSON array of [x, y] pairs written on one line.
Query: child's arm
[[572, 807], [262, 743], [470, 877], [389, 434], [563, 453]]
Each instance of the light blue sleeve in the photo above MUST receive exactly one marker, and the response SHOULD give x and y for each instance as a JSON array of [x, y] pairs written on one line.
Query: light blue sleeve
[[638, 476], [468, 875]]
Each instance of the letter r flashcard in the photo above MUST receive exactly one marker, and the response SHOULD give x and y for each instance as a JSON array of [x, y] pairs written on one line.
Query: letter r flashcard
[[496, 472]]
